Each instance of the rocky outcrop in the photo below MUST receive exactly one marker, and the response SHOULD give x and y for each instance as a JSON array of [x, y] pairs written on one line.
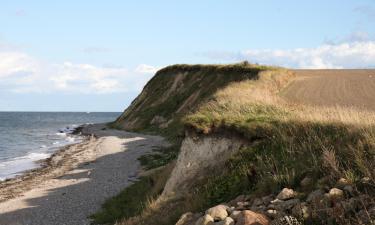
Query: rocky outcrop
[[198, 157]]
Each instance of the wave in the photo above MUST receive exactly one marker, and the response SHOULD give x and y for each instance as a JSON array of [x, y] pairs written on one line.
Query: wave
[[16, 166]]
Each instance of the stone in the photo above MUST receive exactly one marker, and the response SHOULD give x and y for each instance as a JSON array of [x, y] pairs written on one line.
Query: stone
[[287, 220], [226, 221], [272, 213], [240, 198], [257, 202], [218, 212], [366, 180], [314, 196], [248, 217], [341, 183], [335, 194], [301, 210], [185, 218], [267, 199], [276, 201], [282, 206], [235, 214], [230, 209], [349, 190], [286, 194], [243, 205], [205, 220]]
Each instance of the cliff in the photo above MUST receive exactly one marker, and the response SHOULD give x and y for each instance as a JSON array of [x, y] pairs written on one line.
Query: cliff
[[239, 137]]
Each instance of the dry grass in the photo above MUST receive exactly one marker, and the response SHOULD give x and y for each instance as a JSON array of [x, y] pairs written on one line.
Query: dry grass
[[296, 140]]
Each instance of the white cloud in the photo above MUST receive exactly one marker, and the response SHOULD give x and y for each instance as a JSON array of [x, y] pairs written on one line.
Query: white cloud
[[22, 73], [146, 69], [344, 55]]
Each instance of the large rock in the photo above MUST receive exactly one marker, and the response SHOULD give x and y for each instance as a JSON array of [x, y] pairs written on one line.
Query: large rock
[[286, 194], [248, 217], [218, 212], [205, 220]]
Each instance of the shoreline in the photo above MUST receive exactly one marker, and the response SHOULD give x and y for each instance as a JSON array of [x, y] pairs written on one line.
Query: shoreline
[[13, 187], [76, 180]]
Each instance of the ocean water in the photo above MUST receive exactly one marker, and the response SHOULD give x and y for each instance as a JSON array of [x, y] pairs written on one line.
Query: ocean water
[[26, 137]]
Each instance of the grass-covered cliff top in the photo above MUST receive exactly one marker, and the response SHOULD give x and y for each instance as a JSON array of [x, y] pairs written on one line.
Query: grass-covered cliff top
[[178, 90]]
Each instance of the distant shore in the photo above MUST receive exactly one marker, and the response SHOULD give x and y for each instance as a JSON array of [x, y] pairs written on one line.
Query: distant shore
[[80, 176]]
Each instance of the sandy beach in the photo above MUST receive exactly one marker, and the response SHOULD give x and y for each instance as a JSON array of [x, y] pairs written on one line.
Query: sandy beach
[[76, 180]]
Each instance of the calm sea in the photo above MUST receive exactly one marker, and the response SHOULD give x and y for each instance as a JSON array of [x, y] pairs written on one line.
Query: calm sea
[[26, 137]]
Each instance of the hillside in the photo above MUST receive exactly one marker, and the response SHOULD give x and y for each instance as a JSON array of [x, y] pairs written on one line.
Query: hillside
[[177, 90], [242, 142]]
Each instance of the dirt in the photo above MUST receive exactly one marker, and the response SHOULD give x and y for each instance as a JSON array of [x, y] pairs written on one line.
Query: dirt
[[348, 88]]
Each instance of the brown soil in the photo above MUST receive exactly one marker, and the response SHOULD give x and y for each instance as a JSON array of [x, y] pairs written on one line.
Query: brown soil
[[348, 88]]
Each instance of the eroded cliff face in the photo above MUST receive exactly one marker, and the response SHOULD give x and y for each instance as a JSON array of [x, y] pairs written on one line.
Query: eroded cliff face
[[200, 156], [177, 90]]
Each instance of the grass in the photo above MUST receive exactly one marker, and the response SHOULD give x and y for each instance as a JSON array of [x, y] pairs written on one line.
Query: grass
[[289, 141]]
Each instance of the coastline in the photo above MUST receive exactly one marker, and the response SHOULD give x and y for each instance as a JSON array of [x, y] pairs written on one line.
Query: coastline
[[49, 167], [101, 166]]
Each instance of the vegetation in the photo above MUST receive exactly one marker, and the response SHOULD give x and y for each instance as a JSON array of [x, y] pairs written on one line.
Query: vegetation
[[290, 141]]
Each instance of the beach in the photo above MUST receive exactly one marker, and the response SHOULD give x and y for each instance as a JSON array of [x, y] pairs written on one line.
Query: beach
[[72, 184]]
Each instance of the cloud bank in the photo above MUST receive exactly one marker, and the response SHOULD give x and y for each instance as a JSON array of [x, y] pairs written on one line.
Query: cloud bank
[[22, 73], [358, 54]]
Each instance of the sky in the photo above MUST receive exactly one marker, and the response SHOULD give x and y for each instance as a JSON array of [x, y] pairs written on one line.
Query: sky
[[97, 55]]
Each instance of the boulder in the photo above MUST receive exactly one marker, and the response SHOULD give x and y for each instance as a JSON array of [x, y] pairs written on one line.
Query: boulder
[[248, 217], [286, 194], [205, 220], [218, 212]]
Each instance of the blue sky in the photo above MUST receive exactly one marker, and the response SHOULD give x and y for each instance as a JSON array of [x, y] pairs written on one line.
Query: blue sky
[[97, 55]]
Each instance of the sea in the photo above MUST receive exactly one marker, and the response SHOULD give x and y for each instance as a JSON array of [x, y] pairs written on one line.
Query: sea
[[28, 137]]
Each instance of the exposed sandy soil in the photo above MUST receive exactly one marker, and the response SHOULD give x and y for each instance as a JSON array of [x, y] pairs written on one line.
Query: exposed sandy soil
[[76, 180], [348, 88]]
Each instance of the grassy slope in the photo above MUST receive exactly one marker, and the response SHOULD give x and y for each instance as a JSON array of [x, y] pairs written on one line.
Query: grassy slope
[[290, 142], [184, 81]]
